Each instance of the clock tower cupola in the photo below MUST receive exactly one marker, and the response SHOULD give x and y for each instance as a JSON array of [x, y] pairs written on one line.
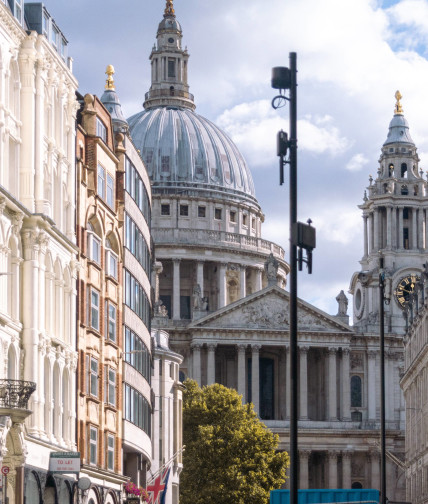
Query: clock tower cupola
[[395, 214], [169, 61]]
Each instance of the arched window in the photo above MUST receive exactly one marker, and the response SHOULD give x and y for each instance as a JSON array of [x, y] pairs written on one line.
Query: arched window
[[356, 392], [403, 170], [356, 485], [111, 257], [32, 489], [94, 244]]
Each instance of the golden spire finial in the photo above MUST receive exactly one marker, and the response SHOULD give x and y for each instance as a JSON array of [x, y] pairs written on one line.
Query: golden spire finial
[[169, 9], [110, 81], [398, 108]]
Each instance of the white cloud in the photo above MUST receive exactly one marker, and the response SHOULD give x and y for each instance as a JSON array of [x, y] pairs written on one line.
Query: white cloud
[[357, 162], [254, 126]]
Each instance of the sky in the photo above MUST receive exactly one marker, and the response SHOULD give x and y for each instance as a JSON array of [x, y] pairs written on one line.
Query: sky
[[352, 56]]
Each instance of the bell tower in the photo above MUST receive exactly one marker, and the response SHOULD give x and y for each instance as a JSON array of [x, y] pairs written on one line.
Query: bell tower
[[169, 66], [395, 214]]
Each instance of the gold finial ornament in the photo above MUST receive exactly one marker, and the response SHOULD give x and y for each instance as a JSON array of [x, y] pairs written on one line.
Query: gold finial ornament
[[398, 108], [169, 9], [110, 81]]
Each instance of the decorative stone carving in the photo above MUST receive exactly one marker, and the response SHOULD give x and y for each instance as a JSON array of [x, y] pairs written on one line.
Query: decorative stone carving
[[271, 268], [197, 297], [342, 301], [356, 360], [264, 314]]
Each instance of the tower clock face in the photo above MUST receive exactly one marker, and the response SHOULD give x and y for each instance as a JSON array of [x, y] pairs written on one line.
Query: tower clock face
[[404, 288]]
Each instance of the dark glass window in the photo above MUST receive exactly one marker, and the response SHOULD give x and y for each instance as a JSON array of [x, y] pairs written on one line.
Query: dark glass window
[[137, 354], [137, 409], [356, 392], [201, 211], [136, 299], [184, 210], [171, 68], [217, 213], [165, 209]]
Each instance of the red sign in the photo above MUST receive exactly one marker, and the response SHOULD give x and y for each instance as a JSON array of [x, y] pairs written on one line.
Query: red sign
[[5, 470]]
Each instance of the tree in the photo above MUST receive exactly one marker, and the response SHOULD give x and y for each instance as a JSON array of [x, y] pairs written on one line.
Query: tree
[[230, 455]]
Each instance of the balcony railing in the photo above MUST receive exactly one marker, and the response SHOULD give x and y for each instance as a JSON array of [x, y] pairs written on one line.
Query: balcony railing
[[216, 238], [14, 394]]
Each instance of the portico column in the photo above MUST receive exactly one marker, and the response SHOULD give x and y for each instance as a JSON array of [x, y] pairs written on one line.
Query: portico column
[[332, 384], [176, 289], [303, 395], [281, 395], [196, 350], [371, 385], [241, 370], [376, 229], [420, 228], [255, 381], [414, 229], [304, 468], [200, 276], [346, 469], [400, 228], [242, 282], [222, 285], [211, 364], [346, 387], [371, 231], [366, 237], [375, 469], [259, 272], [332, 469], [426, 229], [388, 227]]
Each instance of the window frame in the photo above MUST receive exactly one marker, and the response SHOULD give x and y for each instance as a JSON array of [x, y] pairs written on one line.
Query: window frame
[[93, 376], [101, 130], [110, 451], [93, 239], [92, 308], [110, 386], [93, 446], [184, 210], [218, 210], [164, 208], [109, 190], [111, 321], [202, 210]]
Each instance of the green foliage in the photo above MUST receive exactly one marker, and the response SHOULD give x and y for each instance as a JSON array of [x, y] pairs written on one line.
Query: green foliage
[[230, 455]]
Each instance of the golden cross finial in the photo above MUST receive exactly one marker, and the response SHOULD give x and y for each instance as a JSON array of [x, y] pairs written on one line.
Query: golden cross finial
[[398, 108], [169, 9], [110, 81]]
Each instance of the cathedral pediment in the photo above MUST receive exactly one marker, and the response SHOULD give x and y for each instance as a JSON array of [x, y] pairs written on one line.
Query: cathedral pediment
[[268, 309]]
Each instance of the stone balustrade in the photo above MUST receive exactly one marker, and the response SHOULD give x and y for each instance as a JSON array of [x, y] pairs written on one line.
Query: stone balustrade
[[208, 237]]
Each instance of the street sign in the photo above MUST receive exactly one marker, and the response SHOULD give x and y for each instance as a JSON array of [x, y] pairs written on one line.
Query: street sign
[[64, 462], [5, 470]]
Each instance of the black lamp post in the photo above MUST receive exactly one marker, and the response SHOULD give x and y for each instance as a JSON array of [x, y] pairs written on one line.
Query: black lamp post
[[384, 297], [302, 236]]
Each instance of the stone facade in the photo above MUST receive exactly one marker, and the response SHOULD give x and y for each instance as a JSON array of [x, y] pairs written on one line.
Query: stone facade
[[99, 221], [223, 297], [414, 384], [38, 253]]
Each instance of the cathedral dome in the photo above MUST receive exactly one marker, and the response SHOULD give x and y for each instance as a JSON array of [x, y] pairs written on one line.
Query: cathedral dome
[[182, 149]]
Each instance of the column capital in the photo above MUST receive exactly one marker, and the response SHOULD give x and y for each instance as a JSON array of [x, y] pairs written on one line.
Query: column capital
[[176, 260], [371, 354], [303, 350], [211, 347], [255, 347], [333, 454], [305, 453], [346, 351], [332, 350], [241, 348], [347, 454], [196, 346]]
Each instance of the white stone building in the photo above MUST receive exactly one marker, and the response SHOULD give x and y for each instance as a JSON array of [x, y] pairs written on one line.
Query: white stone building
[[37, 247], [222, 287]]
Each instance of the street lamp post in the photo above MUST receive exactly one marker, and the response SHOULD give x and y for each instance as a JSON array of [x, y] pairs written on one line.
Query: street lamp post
[[384, 297], [302, 236]]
